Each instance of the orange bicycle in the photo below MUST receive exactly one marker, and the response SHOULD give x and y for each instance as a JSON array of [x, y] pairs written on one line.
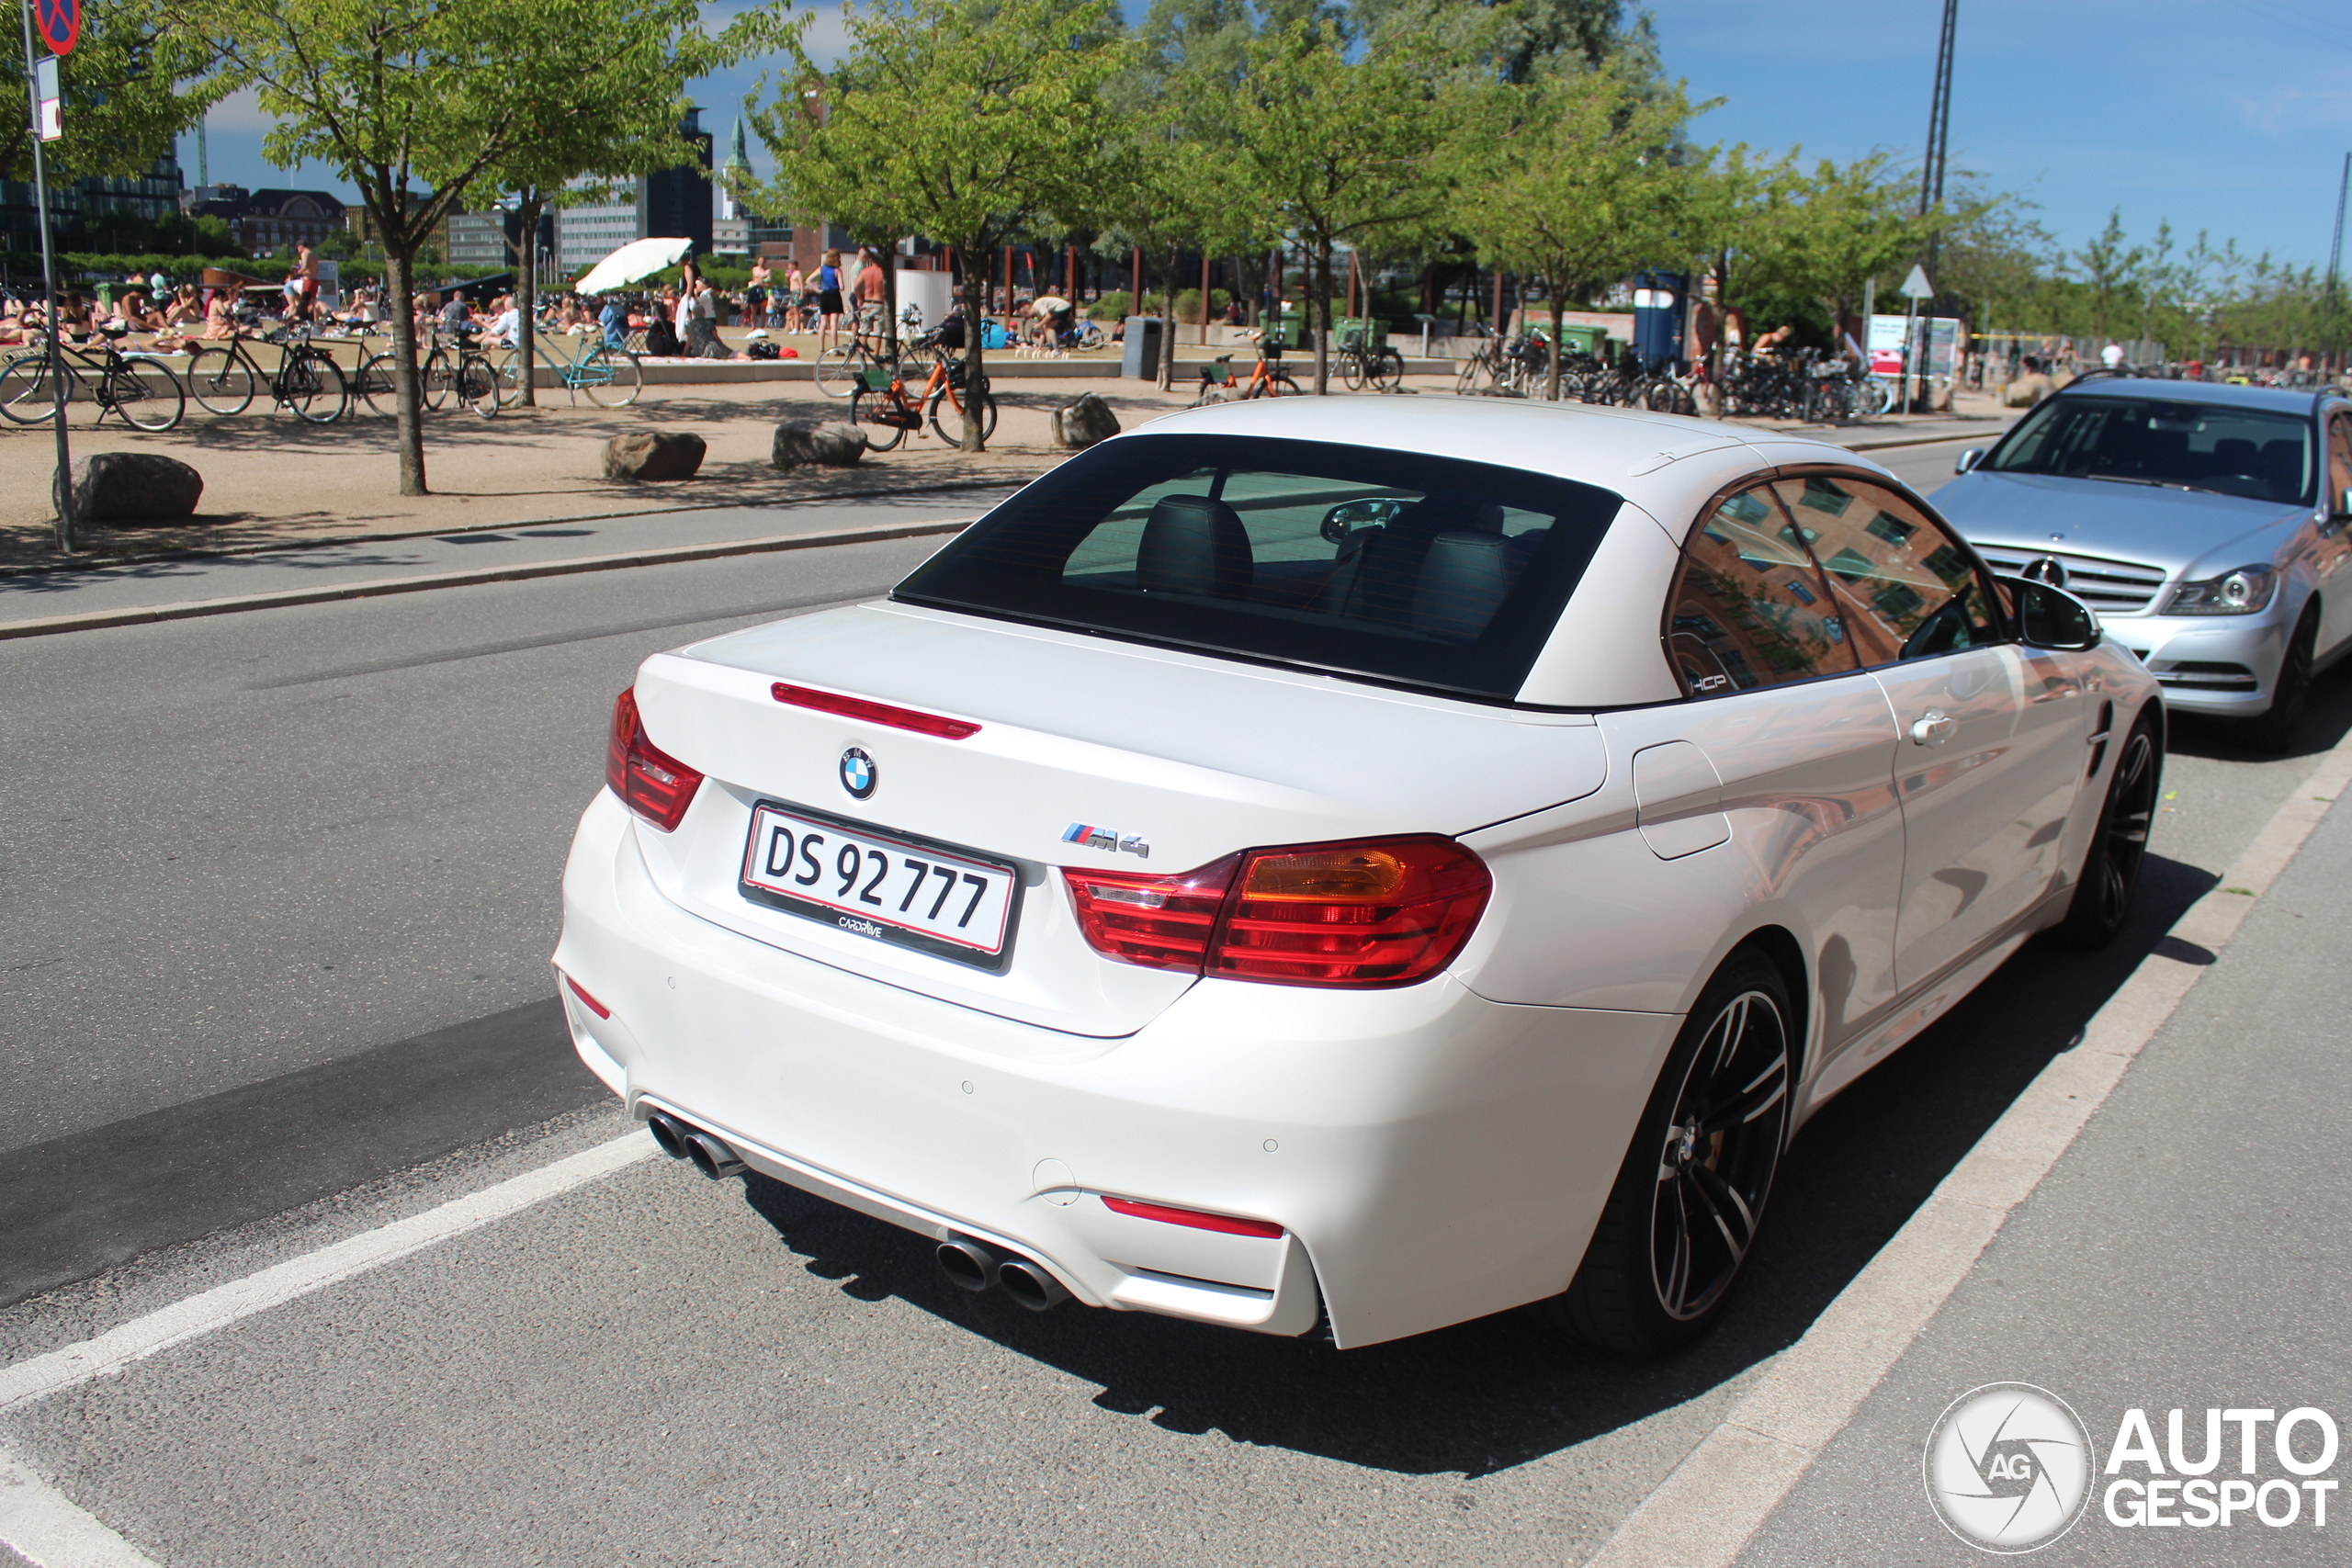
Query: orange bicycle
[[881, 403], [1267, 378]]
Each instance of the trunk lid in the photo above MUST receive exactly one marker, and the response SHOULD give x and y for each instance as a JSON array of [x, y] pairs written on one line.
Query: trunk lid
[[1180, 758]]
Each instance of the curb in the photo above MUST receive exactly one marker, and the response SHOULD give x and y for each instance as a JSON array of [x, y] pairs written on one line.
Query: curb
[[142, 615], [1708, 1509]]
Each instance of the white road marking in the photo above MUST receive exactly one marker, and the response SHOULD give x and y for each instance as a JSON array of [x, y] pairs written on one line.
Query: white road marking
[[39, 1376], [1706, 1512], [40, 1524]]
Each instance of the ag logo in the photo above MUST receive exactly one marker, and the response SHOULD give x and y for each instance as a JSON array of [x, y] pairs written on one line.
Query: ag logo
[[2009, 1467]]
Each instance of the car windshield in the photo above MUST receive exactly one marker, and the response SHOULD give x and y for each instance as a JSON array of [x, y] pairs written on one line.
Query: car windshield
[[2209, 446], [1420, 570]]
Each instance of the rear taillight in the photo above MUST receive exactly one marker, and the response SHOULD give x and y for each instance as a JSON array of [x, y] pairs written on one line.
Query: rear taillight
[[1377, 912], [650, 782]]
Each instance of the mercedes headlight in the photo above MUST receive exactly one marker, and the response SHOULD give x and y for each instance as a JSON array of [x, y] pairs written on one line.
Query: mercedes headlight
[[2239, 592]]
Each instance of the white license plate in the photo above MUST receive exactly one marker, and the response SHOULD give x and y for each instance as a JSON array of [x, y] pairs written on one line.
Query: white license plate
[[879, 885]]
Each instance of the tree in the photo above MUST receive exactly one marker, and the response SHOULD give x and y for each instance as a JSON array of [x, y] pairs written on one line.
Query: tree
[[133, 82], [1576, 184], [1841, 226], [965, 121], [1346, 151], [2111, 266]]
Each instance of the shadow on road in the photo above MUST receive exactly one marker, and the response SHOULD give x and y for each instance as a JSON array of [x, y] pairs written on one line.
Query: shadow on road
[[1503, 1391]]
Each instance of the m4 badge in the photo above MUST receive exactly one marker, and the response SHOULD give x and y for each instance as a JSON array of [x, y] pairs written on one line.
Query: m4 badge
[[1109, 839]]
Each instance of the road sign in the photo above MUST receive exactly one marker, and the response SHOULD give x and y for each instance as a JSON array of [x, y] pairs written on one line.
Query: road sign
[[49, 108], [59, 22], [1916, 286]]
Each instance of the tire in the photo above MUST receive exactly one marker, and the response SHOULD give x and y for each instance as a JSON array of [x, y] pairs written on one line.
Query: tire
[[627, 379], [221, 381], [1683, 1216], [311, 386], [27, 391], [1388, 370], [437, 380], [983, 403], [880, 435], [139, 402], [1283, 384], [375, 384], [1465, 379], [837, 370], [1351, 371], [2103, 894], [478, 385], [509, 374], [2274, 731]]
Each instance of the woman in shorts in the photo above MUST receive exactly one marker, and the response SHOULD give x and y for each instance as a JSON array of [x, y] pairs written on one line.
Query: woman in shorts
[[829, 299]]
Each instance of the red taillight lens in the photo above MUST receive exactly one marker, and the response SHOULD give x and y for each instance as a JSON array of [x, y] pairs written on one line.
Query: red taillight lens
[[1198, 1219], [650, 782], [875, 713], [1378, 913], [1162, 922], [1383, 912], [591, 1003]]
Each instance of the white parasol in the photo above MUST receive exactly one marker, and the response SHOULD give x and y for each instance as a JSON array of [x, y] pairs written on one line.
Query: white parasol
[[638, 258]]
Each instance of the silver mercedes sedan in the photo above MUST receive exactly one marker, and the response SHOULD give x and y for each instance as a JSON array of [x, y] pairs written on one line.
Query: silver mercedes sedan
[[2207, 525]]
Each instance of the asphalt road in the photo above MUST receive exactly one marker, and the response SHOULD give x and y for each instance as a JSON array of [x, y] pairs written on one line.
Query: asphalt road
[[279, 890]]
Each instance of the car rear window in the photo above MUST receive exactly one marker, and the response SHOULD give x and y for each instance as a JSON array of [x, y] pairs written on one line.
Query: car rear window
[[2209, 446], [1420, 570]]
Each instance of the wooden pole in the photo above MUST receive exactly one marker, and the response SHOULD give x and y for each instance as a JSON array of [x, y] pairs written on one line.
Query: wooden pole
[[1498, 300], [1204, 300], [1134, 285]]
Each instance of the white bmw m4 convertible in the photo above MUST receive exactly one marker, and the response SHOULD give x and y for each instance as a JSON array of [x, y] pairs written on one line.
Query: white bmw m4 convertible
[[1351, 864]]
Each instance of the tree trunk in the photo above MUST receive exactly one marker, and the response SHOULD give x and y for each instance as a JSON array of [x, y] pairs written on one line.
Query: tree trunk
[[1322, 317], [526, 292], [973, 283], [400, 303], [1559, 337], [1168, 326]]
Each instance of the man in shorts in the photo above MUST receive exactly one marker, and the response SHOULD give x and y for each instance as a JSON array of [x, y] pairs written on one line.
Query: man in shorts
[[305, 279]]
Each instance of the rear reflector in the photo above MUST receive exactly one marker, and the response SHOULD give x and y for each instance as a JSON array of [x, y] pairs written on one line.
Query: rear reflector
[[1374, 913], [1192, 1217], [874, 712], [593, 1005], [650, 782]]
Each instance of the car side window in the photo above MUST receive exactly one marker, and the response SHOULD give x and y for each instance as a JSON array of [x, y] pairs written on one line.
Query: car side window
[[1905, 588], [2339, 463], [1749, 606]]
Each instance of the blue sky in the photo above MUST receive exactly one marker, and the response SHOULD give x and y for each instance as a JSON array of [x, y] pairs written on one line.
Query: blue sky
[[2229, 116]]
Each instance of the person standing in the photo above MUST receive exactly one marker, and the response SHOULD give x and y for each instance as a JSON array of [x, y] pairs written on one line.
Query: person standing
[[872, 293], [2111, 356], [829, 301], [755, 293], [305, 279]]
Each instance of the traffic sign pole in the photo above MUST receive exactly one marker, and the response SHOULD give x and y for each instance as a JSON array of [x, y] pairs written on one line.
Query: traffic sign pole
[[57, 22]]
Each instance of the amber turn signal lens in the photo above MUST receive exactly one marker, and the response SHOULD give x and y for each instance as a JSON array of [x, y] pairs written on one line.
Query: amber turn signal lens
[[1324, 874]]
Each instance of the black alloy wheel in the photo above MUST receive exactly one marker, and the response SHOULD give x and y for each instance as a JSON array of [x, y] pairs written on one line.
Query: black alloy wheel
[[2274, 731], [1690, 1198], [2110, 878]]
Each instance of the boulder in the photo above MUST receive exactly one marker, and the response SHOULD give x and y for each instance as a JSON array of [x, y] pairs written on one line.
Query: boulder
[[830, 443], [1085, 422], [653, 455], [134, 487], [2026, 390]]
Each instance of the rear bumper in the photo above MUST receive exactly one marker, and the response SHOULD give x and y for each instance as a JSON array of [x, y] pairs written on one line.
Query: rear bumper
[[1433, 1157]]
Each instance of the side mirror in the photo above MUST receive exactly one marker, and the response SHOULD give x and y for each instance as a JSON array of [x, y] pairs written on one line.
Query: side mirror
[[1351, 516], [2052, 617], [1969, 460], [2344, 502]]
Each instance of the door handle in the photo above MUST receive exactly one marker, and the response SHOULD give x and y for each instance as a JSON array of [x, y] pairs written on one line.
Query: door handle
[[1932, 728]]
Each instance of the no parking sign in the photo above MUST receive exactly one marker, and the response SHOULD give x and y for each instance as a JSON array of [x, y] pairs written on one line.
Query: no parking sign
[[59, 22]]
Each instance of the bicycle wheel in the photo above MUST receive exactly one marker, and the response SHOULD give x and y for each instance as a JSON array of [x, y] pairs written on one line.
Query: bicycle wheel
[[612, 380], [478, 385], [506, 374], [311, 386], [437, 380], [222, 380], [27, 391], [1351, 369], [1281, 384], [139, 400], [864, 406], [1387, 370], [979, 404], [1466, 379], [375, 384], [837, 370]]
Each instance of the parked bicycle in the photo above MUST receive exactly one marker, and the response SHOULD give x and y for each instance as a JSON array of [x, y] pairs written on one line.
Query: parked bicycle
[[883, 405], [610, 377], [843, 369], [138, 387], [306, 381], [1267, 378], [1364, 360], [457, 369]]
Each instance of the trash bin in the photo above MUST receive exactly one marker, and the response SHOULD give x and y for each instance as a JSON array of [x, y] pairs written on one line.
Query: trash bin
[[1287, 328], [1358, 332], [1139, 355]]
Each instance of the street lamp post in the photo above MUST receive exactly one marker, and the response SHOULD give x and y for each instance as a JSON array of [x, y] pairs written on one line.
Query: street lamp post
[[63, 482]]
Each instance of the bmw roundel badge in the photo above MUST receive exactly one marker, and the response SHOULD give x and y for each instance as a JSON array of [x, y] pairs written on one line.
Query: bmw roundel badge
[[858, 772]]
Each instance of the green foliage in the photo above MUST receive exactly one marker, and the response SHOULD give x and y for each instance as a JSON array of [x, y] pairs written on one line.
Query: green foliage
[[134, 81]]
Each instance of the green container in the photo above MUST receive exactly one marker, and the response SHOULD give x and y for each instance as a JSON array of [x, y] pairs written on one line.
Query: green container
[[877, 378], [1288, 329], [1358, 332]]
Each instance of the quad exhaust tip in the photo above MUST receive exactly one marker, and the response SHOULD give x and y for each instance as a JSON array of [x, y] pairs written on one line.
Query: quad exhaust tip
[[669, 1134], [709, 1152], [1029, 1285], [975, 1266], [968, 1265]]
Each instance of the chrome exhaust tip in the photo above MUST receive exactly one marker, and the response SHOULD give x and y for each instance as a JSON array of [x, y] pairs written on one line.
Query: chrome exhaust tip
[[1029, 1284], [968, 1265], [712, 1158], [669, 1132]]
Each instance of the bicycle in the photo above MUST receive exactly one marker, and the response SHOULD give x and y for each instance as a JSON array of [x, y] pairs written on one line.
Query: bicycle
[[28, 387], [880, 401], [840, 369], [465, 373], [308, 381], [1362, 361], [612, 377], [1267, 379]]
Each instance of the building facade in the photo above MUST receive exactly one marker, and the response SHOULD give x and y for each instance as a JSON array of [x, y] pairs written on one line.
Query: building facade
[[675, 203], [79, 208], [488, 238], [263, 222]]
